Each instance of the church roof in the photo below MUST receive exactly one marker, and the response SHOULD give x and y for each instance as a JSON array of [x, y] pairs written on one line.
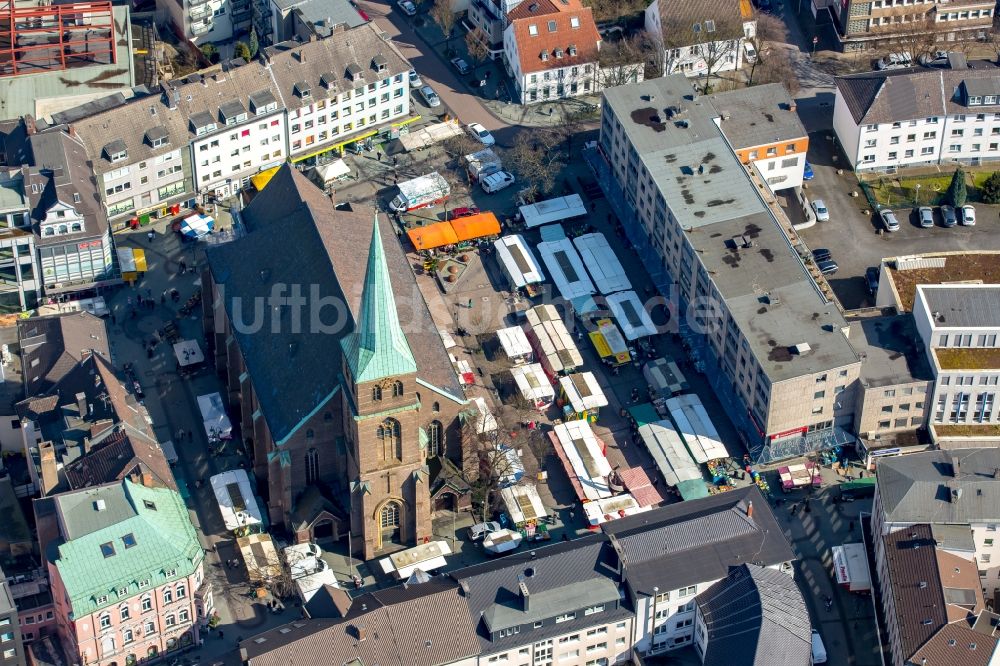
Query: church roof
[[377, 346]]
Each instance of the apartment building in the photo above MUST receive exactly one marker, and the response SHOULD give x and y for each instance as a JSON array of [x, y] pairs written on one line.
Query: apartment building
[[956, 492], [746, 301], [701, 38], [886, 121], [206, 21], [554, 605], [338, 90], [932, 600], [551, 50], [763, 127], [278, 21], [880, 24], [959, 326], [753, 601], [490, 16], [11, 647], [702, 537], [19, 278], [125, 569]]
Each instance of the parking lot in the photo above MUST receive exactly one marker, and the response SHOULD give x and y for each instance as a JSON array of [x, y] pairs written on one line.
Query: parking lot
[[853, 238]]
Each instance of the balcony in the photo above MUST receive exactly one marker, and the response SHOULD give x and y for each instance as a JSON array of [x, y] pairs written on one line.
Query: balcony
[[241, 9], [199, 12], [201, 28]]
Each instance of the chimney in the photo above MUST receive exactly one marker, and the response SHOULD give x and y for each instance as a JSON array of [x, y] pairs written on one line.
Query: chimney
[[81, 404], [29, 126], [359, 632], [792, 107], [86, 445], [72, 131], [750, 509], [525, 595], [955, 466], [49, 472]]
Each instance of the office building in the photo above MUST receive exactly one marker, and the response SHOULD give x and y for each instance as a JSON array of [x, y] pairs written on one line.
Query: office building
[[868, 25]]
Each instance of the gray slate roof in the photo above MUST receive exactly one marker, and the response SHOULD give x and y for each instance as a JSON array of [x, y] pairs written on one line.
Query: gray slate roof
[[758, 115], [57, 343], [554, 576], [698, 540], [297, 238], [963, 307], [917, 488], [914, 582], [756, 617]]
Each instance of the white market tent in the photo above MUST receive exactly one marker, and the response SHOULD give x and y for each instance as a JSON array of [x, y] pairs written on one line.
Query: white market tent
[[669, 453], [583, 391], [214, 419], [426, 557], [523, 503], [197, 225], [553, 210], [584, 454], [518, 262], [188, 353], [533, 384], [664, 377], [515, 344], [697, 429], [612, 508], [602, 263], [334, 170], [486, 422], [566, 268], [512, 467], [631, 316], [236, 501], [850, 565], [555, 346]]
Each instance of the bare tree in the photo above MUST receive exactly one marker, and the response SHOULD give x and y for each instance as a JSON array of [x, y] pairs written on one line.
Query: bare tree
[[537, 159], [443, 15], [713, 41], [477, 44], [992, 41], [769, 28], [626, 61], [461, 145], [777, 67], [268, 569], [918, 38], [491, 462]]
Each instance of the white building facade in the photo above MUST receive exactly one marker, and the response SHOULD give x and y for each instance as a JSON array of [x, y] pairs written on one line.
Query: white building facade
[[701, 54]]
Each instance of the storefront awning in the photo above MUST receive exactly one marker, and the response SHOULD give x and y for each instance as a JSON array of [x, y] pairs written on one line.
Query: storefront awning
[[260, 180]]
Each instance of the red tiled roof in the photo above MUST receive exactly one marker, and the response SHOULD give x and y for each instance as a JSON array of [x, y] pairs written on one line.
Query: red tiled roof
[[544, 14]]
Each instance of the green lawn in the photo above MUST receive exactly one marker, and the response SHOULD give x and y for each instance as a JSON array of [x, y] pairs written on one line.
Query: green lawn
[[932, 190]]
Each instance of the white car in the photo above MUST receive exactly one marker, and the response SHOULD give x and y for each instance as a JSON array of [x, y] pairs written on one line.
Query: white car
[[968, 216], [822, 214], [415, 80], [481, 134], [408, 7], [751, 52]]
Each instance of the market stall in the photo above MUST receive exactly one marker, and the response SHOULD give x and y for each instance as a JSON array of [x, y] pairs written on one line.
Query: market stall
[[557, 352], [664, 378], [631, 315], [519, 264], [611, 508], [583, 455], [800, 475], [237, 504], [669, 453], [189, 356], [602, 263], [214, 419], [568, 273], [609, 344], [197, 226], [694, 425], [534, 385], [260, 557], [132, 262], [581, 396], [515, 344], [524, 507], [426, 557], [850, 567]]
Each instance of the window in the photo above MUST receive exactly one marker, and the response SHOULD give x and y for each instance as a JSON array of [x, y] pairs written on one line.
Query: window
[[434, 435], [552, 26], [376, 393], [170, 620], [149, 627], [392, 441], [594, 609], [389, 516], [107, 549], [685, 591], [128, 540], [168, 596], [819, 395], [397, 389], [105, 621], [147, 603], [184, 615], [566, 617], [123, 610]]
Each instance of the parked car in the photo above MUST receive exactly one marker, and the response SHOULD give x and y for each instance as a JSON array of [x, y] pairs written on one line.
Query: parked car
[[819, 207], [899, 60], [461, 65], [937, 59], [481, 134], [968, 215], [871, 279], [821, 254], [430, 97], [479, 530], [889, 220], [818, 649], [408, 7], [948, 217], [807, 172], [926, 216], [496, 182], [750, 51], [827, 267], [415, 80], [463, 211]]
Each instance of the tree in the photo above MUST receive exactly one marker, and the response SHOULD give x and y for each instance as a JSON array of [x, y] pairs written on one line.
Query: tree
[[442, 14], [714, 41], [627, 60], [990, 191], [254, 43], [241, 50], [489, 463], [918, 38], [537, 160], [477, 44], [461, 145], [211, 52], [777, 67], [769, 29], [956, 191]]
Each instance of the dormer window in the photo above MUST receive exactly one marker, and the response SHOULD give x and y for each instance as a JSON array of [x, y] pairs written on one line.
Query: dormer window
[[233, 112], [379, 63], [990, 99], [118, 157], [116, 151], [572, 49], [354, 72], [262, 102], [303, 89], [157, 137], [329, 80], [974, 101], [559, 53], [202, 123], [545, 55]]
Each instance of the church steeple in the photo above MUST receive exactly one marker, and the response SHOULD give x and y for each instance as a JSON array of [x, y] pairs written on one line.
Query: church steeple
[[377, 347]]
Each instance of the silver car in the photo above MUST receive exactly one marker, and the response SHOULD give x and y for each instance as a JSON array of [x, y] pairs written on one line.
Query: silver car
[[926, 216], [430, 97], [822, 213], [968, 216], [948, 217], [889, 220]]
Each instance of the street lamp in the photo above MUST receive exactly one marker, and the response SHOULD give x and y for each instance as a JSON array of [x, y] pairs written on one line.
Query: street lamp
[[917, 195]]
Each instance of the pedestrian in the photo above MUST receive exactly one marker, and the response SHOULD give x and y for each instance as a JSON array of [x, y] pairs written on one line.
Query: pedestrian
[[861, 474], [850, 527], [378, 155], [151, 236], [395, 161], [221, 634]]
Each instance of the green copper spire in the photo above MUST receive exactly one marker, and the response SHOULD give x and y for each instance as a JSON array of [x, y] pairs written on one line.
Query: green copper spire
[[377, 348]]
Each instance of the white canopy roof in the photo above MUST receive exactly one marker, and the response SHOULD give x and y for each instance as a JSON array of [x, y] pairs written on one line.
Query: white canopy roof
[[126, 259], [566, 268], [514, 342], [612, 508], [487, 422], [533, 383], [631, 315], [523, 503], [697, 429], [556, 346], [585, 456], [669, 452], [236, 501], [517, 260], [583, 391], [426, 557], [332, 171], [616, 343], [188, 352], [850, 565], [602, 263], [213, 416], [511, 468], [553, 210]]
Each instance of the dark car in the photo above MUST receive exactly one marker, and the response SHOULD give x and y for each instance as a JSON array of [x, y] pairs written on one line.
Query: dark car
[[464, 211], [821, 254], [828, 267], [871, 279]]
